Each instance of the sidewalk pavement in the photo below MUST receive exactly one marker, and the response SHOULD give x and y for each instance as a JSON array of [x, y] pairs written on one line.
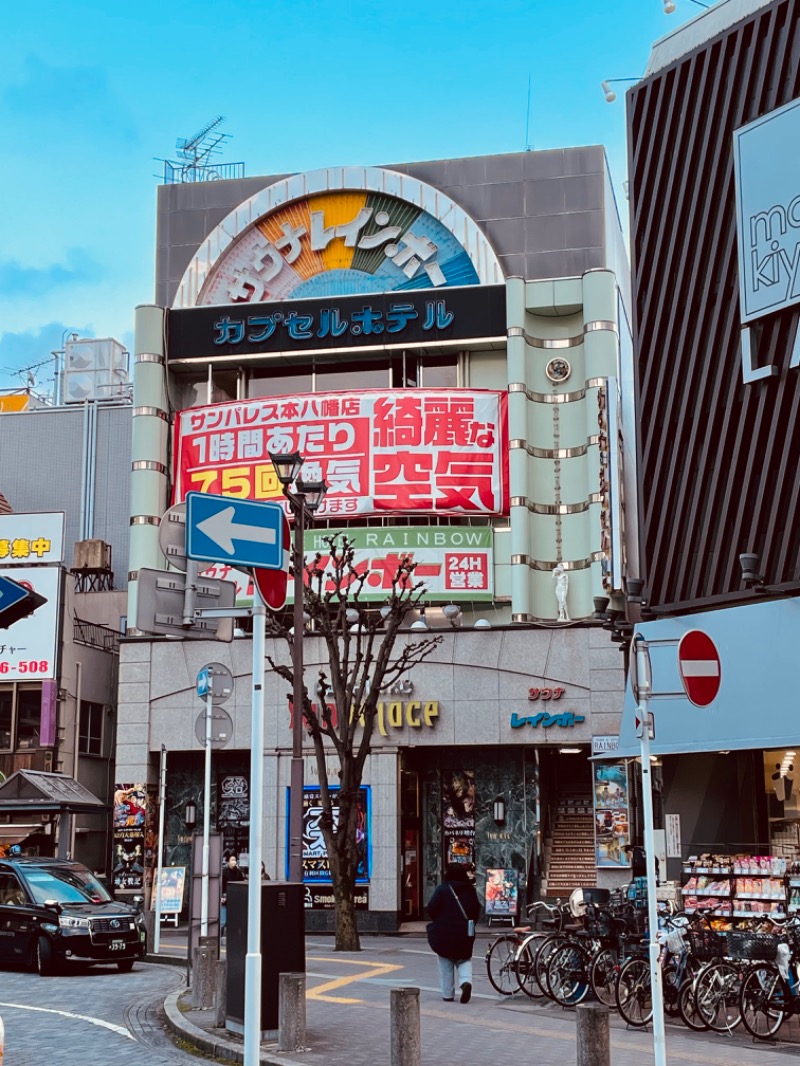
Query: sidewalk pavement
[[347, 1010]]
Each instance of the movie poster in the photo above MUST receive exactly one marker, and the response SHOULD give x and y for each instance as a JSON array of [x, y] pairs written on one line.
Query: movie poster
[[611, 814], [130, 828], [458, 816], [316, 867], [502, 893]]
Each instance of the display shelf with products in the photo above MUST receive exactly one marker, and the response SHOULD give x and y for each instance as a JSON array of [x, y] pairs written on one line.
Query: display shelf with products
[[739, 886]]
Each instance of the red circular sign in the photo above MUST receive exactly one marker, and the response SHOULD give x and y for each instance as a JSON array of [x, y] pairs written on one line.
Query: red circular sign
[[272, 584], [700, 667]]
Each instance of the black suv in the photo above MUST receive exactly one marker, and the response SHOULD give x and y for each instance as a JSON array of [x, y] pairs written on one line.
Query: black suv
[[52, 910]]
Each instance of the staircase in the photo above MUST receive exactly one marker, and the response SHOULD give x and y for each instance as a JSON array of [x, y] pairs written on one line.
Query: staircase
[[570, 851]]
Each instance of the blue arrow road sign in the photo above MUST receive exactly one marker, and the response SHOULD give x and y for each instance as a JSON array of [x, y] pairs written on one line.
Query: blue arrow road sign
[[203, 683], [11, 594], [220, 529]]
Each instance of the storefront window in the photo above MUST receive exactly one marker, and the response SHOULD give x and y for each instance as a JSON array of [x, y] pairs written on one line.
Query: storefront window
[[29, 716]]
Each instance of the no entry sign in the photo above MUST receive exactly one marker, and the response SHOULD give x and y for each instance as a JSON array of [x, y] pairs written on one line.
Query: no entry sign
[[699, 665]]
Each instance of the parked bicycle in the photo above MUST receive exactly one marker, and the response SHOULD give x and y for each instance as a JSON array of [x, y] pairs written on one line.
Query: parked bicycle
[[502, 954], [770, 990]]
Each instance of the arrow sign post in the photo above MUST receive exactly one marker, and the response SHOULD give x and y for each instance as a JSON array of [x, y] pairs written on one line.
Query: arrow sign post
[[642, 684], [221, 529], [16, 601]]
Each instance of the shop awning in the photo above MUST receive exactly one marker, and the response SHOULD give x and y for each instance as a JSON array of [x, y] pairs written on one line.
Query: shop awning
[[15, 834], [38, 792], [758, 702]]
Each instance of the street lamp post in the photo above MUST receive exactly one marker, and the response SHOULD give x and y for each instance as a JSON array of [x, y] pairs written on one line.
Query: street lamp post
[[305, 498]]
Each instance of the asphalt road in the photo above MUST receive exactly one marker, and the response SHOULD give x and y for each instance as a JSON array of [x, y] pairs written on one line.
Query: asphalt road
[[93, 1016]]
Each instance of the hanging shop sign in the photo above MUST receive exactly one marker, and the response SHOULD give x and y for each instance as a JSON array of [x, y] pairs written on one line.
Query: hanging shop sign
[[233, 811], [403, 451], [27, 539], [603, 744], [28, 647], [454, 563], [424, 318], [458, 816], [316, 866], [611, 814]]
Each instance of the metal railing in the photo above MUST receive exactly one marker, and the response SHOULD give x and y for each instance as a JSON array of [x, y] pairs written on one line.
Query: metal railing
[[95, 635]]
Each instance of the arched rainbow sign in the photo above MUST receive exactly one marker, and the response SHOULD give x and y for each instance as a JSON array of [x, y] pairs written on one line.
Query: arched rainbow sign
[[305, 237]]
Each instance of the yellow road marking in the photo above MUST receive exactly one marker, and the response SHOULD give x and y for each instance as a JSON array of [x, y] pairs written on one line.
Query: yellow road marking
[[377, 969]]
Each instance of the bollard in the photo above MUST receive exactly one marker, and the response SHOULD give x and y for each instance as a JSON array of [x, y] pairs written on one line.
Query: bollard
[[150, 929], [221, 1000], [594, 1047], [204, 979], [404, 1025], [292, 1012]]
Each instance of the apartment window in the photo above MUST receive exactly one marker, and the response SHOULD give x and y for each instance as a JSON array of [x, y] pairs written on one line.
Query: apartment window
[[90, 735], [439, 373], [29, 717]]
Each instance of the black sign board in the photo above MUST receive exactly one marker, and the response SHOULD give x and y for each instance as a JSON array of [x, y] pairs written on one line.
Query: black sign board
[[400, 319]]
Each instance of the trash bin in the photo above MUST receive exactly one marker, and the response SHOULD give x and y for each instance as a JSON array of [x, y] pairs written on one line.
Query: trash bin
[[283, 948]]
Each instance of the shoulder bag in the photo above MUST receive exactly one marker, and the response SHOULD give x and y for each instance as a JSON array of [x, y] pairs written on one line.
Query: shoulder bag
[[469, 921]]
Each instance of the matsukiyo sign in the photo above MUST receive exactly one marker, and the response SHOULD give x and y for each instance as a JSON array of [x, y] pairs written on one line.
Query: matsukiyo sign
[[767, 165], [410, 450]]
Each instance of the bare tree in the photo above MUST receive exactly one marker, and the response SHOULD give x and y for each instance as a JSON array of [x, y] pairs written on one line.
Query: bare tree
[[364, 659]]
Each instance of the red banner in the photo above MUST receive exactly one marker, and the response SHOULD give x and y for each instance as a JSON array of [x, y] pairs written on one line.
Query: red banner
[[410, 450]]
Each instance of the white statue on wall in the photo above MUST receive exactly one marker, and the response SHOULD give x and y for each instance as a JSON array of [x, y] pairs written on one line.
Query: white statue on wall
[[561, 578]]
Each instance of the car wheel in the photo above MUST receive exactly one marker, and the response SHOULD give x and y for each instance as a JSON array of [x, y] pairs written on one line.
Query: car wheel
[[125, 965], [44, 957]]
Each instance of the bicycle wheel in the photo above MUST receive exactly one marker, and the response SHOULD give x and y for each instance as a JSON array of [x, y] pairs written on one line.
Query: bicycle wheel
[[568, 975], [603, 976], [524, 966], [634, 995], [542, 958], [687, 1008], [500, 964], [717, 994], [763, 1003]]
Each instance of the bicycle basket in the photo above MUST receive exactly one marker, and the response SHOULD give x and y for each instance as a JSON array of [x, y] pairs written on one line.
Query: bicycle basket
[[706, 944], [675, 941], [754, 946]]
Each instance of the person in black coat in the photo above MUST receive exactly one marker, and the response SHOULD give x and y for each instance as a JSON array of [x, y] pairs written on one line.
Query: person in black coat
[[452, 906]]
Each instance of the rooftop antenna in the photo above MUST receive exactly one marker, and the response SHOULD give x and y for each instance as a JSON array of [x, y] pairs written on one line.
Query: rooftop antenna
[[197, 151], [528, 145], [196, 154]]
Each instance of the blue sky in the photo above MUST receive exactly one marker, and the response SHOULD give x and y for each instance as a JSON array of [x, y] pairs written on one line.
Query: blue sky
[[91, 94]]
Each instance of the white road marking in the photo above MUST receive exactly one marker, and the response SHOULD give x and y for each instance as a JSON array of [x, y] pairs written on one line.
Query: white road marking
[[119, 1029]]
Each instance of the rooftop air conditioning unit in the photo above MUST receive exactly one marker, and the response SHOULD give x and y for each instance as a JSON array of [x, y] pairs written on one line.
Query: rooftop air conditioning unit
[[92, 555]]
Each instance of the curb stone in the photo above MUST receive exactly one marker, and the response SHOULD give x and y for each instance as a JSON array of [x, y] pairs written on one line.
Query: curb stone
[[214, 1046]]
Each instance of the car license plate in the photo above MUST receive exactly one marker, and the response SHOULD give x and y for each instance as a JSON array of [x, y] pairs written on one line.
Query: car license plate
[[117, 945]]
